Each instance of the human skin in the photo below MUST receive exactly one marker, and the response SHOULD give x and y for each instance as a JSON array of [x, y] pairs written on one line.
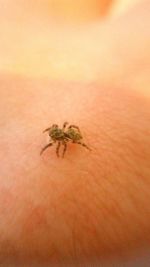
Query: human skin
[[89, 206]]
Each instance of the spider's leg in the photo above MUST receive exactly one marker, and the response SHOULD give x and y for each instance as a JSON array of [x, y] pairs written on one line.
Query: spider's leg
[[64, 125], [65, 148], [82, 144], [47, 129], [57, 149], [76, 127], [45, 147], [54, 125]]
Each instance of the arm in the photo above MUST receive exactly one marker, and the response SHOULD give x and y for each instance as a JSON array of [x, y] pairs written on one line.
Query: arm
[[90, 205]]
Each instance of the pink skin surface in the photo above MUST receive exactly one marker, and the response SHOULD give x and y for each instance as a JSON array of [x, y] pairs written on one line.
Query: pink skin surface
[[89, 206]]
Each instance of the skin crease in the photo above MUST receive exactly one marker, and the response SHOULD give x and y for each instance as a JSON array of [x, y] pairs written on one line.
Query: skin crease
[[89, 206]]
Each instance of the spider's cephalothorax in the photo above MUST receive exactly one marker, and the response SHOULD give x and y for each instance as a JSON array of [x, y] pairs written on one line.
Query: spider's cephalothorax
[[62, 136], [55, 133]]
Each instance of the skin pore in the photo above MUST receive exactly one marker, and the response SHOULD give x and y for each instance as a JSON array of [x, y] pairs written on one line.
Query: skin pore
[[89, 206]]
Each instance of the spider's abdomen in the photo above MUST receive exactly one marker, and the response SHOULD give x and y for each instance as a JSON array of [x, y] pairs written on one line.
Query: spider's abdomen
[[73, 135]]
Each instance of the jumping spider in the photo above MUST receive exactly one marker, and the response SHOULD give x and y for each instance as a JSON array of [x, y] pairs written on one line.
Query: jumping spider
[[62, 136]]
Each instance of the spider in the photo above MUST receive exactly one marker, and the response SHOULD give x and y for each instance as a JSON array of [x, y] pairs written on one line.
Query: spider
[[62, 136]]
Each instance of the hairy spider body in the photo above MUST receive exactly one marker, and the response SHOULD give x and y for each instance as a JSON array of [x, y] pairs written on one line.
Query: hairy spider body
[[73, 135], [63, 136], [56, 134]]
